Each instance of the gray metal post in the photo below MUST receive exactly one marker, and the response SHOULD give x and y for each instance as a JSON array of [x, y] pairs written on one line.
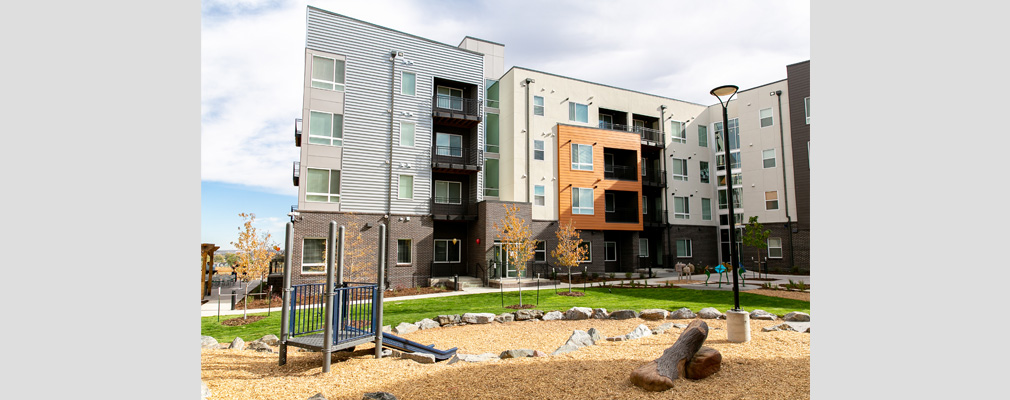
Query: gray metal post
[[328, 321], [233, 301], [380, 288], [342, 298], [289, 238]]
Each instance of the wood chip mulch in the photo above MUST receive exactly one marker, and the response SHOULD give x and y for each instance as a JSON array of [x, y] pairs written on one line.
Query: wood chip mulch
[[242, 321], [773, 365], [572, 294], [785, 294]]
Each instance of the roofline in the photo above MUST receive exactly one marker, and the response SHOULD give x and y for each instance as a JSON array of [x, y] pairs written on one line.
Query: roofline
[[798, 63], [600, 84], [394, 30], [763, 85], [477, 38]]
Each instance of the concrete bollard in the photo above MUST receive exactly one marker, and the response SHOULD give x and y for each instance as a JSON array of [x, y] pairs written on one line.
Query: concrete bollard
[[738, 326]]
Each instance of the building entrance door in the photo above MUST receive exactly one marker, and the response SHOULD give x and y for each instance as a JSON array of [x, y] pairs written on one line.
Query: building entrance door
[[505, 267]]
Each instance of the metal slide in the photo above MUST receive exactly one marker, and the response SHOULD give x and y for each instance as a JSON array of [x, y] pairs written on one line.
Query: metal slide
[[396, 342]]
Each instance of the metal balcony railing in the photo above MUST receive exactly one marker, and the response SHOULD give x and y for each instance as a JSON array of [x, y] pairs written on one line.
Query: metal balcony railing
[[456, 157], [619, 172], [646, 133], [456, 105], [654, 177], [623, 214], [296, 172], [655, 218]]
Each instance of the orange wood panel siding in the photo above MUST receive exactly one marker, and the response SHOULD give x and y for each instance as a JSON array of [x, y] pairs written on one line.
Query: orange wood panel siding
[[568, 178]]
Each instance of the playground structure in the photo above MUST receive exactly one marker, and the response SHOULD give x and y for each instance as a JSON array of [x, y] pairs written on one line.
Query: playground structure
[[339, 315]]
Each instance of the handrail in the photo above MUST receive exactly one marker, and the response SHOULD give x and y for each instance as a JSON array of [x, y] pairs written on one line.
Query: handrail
[[441, 102], [353, 322]]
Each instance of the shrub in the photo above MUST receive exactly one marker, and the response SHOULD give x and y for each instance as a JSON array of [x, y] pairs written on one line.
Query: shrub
[[595, 275], [611, 275], [641, 275], [627, 275]]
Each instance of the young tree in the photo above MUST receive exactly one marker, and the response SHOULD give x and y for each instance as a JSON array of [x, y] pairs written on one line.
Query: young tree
[[253, 253], [754, 235], [517, 241], [569, 251], [359, 255]]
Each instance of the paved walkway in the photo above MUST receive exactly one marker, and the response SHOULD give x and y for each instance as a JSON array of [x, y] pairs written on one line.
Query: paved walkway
[[210, 308]]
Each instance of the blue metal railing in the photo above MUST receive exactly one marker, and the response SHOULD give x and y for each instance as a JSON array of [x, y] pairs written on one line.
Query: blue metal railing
[[356, 317]]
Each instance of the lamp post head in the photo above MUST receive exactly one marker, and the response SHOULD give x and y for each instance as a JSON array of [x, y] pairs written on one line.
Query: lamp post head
[[725, 90]]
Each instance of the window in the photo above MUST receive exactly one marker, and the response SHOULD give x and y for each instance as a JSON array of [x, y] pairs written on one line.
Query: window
[[538, 149], [582, 201], [609, 205], [645, 169], [703, 171], [491, 133], [706, 209], [408, 83], [582, 157], [736, 198], [677, 132], [679, 169], [771, 201], [446, 251], [578, 112], [491, 97], [768, 158], [737, 219], [407, 134], [774, 247], [538, 105], [491, 177], [645, 205], [403, 251], [327, 73], [406, 187], [313, 261], [684, 248], [447, 144], [323, 185], [639, 125], [702, 136], [450, 98], [643, 247], [589, 252], [681, 209], [720, 161], [806, 109], [766, 117], [608, 162], [326, 129], [609, 251], [539, 198], [448, 192], [734, 135], [737, 179], [540, 252]]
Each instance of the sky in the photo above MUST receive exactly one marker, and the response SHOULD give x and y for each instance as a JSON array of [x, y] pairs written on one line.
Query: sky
[[252, 56]]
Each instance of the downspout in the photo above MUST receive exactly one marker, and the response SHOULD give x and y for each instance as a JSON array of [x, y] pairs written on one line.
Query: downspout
[[529, 178], [785, 183], [389, 161], [666, 203]]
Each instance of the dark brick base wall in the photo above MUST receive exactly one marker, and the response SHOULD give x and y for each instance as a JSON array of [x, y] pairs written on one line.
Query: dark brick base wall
[[704, 244], [800, 248]]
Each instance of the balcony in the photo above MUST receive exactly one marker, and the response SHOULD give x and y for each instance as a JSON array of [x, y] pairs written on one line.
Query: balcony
[[620, 173], [456, 111], [446, 209], [297, 171], [650, 137], [456, 160], [623, 215], [298, 132], [654, 177], [655, 219]]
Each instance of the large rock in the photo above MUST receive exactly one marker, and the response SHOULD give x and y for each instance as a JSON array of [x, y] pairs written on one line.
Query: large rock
[[478, 318], [378, 396], [565, 348], [204, 391], [505, 317], [423, 358], [709, 313], [427, 323], [595, 335], [763, 315], [404, 328], [387, 329], [653, 314], [516, 353], [639, 332], [662, 328], [624, 314], [208, 342], [553, 316], [317, 396], [600, 313], [538, 353], [705, 362], [444, 320], [478, 357], [576, 313], [779, 327], [522, 315], [797, 316], [682, 313], [237, 344], [260, 346], [270, 340], [538, 314], [580, 339], [679, 326]]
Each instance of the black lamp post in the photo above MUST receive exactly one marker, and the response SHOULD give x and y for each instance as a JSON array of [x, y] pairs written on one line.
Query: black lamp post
[[734, 258]]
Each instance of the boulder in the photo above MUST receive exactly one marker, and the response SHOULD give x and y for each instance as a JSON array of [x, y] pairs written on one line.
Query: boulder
[[259, 345], [317, 396], [237, 344], [577, 313], [515, 353], [207, 342], [444, 320], [763, 315], [566, 348], [624, 314], [653, 314], [705, 362], [423, 358], [679, 326], [505, 317], [538, 314], [270, 340], [478, 318], [639, 332], [709, 313], [682, 313], [538, 353], [553, 316], [779, 327], [600, 313], [580, 339], [478, 357], [797, 316], [663, 328], [387, 329], [427, 323], [404, 328], [523, 315], [204, 391], [595, 335], [378, 396]]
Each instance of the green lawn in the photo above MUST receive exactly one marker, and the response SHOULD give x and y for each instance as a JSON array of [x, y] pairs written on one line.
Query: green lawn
[[411, 311]]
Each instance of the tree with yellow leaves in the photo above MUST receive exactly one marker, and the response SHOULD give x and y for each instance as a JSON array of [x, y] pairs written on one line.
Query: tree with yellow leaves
[[254, 253], [569, 251], [517, 241]]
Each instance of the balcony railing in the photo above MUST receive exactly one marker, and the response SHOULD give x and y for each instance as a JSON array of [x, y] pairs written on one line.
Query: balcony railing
[[456, 107], [297, 171], [655, 218], [654, 177], [647, 134], [446, 209], [298, 132], [619, 172], [451, 157], [623, 214]]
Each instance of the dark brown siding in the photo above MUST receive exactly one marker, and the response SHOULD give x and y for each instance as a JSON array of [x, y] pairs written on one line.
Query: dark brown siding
[[799, 88]]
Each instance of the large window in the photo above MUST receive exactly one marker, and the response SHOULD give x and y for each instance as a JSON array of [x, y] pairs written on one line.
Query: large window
[[491, 133], [446, 251], [766, 117], [737, 192], [540, 252], [774, 247], [609, 251], [539, 198], [447, 144], [538, 105], [771, 201], [327, 73], [703, 171], [323, 185], [702, 136], [407, 134], [403, 249], [706, 209], [326, 128], [684, 248], [408, 83], [447, 192], [679, 169], [582, 157], [313, 261], [450, 98], [720, 161], [582, 201], [589, 252], [538, 149], [578, 112], [492, 92], [677, 133], [681, 208], [768, 158], [734, 135], [737, 179], [491, 177], [406, 191], [643, 247], [806, 108]]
